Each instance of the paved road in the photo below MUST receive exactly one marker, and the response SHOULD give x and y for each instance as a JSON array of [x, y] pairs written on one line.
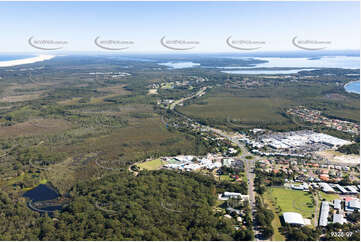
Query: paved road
[[249, 170], [177, 102], [249, 163]]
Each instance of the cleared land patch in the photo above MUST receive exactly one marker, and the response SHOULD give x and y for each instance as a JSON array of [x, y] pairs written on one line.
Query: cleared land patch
[[151, 165], [328, 197], [293, 201], [338, 157]]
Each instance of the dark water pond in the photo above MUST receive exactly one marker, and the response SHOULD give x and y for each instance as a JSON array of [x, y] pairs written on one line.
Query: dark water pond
[[41, 193]]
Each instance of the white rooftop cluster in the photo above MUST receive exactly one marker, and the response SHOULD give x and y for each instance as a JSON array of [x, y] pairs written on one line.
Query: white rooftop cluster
[[295, 142], [325, 187], [328, 139], [299, 139], [228, 195], [187, 163]]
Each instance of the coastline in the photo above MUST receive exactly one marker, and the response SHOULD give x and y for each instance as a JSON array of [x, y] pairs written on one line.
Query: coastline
[[351, 91], [26, 61]]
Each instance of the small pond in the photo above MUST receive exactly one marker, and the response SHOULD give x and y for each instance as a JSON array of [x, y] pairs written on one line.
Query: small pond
[[42, 198]]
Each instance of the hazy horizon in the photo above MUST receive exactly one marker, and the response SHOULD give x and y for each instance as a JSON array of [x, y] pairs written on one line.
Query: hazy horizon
[[211, 24]]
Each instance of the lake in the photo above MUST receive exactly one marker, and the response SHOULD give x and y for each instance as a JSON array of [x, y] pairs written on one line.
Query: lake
[[266, 71], [42, 192], [353, 87], [346, 62], [180, 65]]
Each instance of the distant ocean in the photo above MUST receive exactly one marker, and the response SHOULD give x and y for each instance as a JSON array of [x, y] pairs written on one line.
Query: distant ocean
[[14, 57], [353, 87], [346, 62]]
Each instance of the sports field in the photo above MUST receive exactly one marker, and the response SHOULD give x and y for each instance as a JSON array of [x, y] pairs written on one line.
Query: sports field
[[293, 201], [151, 165]]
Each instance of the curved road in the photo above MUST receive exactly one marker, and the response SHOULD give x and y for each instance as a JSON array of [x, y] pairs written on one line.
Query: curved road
[[249, 167], [249, 163]]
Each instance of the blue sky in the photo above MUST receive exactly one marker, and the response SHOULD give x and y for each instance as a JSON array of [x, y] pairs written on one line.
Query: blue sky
[[210, 23]]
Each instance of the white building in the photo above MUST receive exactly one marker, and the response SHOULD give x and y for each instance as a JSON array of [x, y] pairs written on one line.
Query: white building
[[293, 218], [228, 195], [325, 208], [326, 187], [338, 218], [353, 205], [337, 204], [352, 189]]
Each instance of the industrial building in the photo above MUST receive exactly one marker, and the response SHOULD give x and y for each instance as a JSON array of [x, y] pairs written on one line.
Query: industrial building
[[325, 208], [352, 189], [338, 218], [293, 218], [337, 204], [352, 205], [343, 190], [325, 187]]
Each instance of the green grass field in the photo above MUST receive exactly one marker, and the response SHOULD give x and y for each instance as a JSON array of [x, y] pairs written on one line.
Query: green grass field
[[276, 223], [328, 197], [293, 201], [225, 178], [151, 165], [243, 176], [281, 200]]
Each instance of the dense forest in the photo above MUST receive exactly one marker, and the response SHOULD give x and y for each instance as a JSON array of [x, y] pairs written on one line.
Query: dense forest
[[159, 205]]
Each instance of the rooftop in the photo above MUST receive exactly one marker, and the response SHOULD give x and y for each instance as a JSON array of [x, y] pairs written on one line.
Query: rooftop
[[338, 218], [293, 218], [324, 214]]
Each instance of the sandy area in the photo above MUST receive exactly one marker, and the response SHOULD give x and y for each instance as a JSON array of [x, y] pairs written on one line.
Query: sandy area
[[153, 91], [26, 61], [337, 157]]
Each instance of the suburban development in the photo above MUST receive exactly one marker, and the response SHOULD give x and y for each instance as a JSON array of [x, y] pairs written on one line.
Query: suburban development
[[180, 121]]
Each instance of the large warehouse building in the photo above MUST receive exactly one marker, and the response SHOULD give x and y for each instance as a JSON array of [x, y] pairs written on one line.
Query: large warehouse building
[[293, 218]]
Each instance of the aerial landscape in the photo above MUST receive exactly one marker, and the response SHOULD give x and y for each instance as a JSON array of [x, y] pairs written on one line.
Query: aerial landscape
[[155, 134]]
